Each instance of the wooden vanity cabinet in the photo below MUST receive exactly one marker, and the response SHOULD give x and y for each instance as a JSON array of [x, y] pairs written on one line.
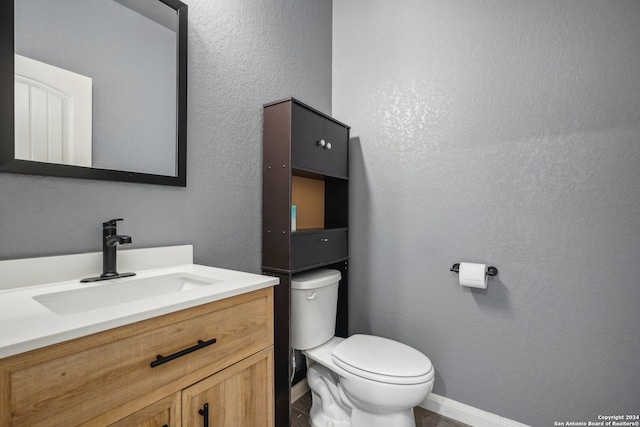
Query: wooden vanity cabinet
[[107, 378]]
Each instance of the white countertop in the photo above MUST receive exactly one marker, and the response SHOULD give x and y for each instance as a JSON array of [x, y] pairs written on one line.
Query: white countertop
[[25, 324]]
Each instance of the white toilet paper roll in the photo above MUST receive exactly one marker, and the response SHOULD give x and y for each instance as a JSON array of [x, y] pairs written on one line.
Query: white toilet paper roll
[[473, 275]]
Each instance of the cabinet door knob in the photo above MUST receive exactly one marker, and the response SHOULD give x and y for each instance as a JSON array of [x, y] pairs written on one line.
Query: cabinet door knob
[[322, 143], [328, 146], [324, 240]]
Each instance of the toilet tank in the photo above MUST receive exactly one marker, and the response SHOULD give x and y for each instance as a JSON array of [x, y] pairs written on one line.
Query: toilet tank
[[314, 301]]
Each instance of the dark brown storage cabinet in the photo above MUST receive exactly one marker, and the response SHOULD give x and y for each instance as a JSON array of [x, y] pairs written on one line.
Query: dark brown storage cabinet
[[305, 163]]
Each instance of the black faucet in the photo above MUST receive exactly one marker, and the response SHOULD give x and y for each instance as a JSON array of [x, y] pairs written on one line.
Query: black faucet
[[110, 240]]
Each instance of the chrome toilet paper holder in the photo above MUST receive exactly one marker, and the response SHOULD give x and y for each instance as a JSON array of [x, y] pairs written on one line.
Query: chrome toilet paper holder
[[491, 270]]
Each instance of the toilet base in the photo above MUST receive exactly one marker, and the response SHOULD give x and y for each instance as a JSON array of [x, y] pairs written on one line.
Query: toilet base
[[398, 419], [327, 409], [330, 406], [320, 419]]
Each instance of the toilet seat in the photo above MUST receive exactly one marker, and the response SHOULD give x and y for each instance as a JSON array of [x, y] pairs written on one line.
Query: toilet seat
[[383, 360]]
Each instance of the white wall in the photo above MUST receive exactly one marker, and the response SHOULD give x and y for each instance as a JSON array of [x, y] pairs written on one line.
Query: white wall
[[242, 54], [504, 132]]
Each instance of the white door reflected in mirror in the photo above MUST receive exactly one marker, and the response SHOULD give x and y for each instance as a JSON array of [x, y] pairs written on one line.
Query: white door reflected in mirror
[[53, 113]]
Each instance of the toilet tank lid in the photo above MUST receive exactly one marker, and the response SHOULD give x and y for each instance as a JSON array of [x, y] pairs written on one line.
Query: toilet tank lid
[[382, 357], [315, 279]]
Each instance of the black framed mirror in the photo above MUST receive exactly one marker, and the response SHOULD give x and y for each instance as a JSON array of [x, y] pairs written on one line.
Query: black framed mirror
[[137, 76]]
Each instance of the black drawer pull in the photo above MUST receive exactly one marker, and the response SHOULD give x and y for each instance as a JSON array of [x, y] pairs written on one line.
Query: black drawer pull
[[160, 359], [205, 414]]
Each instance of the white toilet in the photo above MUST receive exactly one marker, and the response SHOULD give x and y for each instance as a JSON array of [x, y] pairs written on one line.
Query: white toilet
[[360, 381]]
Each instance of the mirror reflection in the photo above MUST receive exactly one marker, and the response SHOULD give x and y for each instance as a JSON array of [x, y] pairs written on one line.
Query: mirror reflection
[[96, 83]]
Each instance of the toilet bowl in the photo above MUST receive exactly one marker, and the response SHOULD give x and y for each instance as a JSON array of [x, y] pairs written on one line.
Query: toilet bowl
[[360, 381]]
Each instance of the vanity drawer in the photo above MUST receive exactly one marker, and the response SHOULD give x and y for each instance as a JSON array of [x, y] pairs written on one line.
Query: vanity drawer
[[312, 247], [93, 380]]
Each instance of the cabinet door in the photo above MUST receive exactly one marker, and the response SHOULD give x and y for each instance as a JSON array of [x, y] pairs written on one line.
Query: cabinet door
[[306, 133], [241, 395], [317, 143], [335, 161], [164, 413]]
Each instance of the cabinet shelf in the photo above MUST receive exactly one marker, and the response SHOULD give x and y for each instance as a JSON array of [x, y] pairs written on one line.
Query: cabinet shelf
[[298, 171], [316, 230], [320, 203]]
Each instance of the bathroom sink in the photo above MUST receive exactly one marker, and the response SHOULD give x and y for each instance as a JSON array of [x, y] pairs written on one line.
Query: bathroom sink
[[119, 291]]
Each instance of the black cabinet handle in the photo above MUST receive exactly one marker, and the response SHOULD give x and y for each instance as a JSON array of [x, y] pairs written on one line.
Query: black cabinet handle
[[205, 414], [160, 359]]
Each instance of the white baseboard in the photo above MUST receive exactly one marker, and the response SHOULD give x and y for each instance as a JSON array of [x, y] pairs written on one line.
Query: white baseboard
[[465, 413], [298, 390]]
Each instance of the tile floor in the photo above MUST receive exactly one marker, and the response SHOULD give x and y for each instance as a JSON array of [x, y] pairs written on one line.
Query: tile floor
[[424, 418]]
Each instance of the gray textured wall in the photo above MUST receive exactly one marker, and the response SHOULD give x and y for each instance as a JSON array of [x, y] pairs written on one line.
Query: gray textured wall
[[241, 54], [504, 132]]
